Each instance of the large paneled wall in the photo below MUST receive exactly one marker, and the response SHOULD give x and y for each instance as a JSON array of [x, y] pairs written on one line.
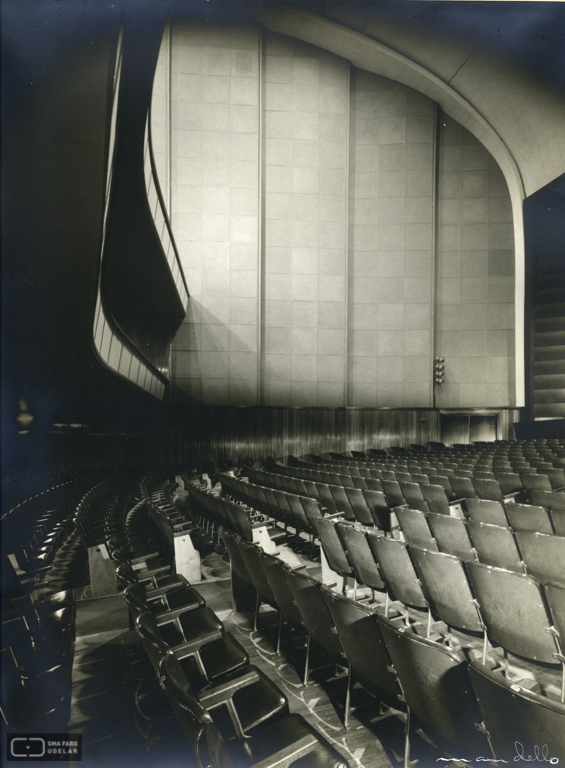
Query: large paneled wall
[[215, 118], [475, 274], [334, 237], [306, 106], [391, 240]]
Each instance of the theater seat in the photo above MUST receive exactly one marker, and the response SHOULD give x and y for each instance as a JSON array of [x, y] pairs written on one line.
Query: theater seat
[[369, 662], [250, 554], [316, 618], [333, 549], [397, 571], [360, 556], [486, 511], [154, 584], [555, 596], [166, 607], [526, 517], [276, 572], [514, 613], [436, 687], [463, 487], [436, 498], [452, 536], [549, 499], [543, 555], [208, 657], [280, 744], [446, 589], [495, 545], [521, 725], [415, 528]]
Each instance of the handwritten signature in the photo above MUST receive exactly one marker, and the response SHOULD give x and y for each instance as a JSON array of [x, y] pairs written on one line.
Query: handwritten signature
[[539, 756]]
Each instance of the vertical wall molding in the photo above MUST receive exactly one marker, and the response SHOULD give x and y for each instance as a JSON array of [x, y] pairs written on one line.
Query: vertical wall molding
[[260, 220], [168, 156], [435, 193], [169, 121], [346, 266]]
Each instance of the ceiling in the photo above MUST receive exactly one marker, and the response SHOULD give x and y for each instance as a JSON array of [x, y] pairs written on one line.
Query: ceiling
[[530, 34]]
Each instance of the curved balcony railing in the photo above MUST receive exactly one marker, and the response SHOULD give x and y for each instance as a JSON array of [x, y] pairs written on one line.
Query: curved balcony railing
[[112, 348]]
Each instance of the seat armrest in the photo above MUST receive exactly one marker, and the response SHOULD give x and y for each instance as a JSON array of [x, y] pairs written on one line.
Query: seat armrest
[[162, 570], [182, 650], [156, 592], [166, 617], [289, 754], [34, 583], [186, 526], [144, 558], [33, 574], [214, 695]]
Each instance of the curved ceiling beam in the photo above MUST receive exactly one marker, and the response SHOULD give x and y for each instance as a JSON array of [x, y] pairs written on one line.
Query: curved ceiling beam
[[372, 56], [368, 54]]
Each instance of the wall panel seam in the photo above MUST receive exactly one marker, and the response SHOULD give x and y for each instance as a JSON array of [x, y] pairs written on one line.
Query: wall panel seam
[[435, 193], [346, 265], [260, 223]]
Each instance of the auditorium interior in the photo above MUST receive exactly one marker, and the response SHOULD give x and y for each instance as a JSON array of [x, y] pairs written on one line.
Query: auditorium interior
[[283, 383]]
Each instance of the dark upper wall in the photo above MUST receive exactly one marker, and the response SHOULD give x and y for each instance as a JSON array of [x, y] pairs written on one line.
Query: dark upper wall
[[56, 110]]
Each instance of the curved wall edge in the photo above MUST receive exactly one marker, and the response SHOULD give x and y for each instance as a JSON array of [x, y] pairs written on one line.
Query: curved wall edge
[[110, 347]]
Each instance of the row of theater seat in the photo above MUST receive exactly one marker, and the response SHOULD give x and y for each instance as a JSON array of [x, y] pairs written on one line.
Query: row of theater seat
[[465, 466], [38, 608], [498, 449], [167, 507], [488, 522], [383, 563], [231, 713], [35, 530], [37, 659], [103, 509], [361, 497], [522, 691], [213, 512], [290, 509], [426, 496], [469, 460], [510, 482], [400, 668], [457, 482], [486, 526]]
